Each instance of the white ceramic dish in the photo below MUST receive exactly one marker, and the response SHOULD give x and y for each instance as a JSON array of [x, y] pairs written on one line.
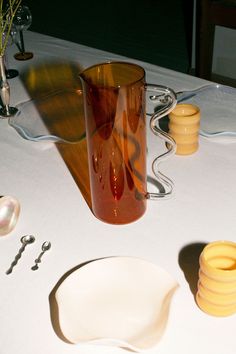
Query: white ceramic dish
[[118, 301]]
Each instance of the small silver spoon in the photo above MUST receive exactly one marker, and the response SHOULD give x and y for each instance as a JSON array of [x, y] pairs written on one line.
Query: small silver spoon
[[45, 247], [25, 240]]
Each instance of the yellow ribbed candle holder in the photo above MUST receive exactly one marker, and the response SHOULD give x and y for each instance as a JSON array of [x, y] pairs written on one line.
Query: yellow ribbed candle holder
[[184, 128], [216, 293]]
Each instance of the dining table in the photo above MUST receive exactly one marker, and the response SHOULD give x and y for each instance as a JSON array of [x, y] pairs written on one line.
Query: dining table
[[49, 180]]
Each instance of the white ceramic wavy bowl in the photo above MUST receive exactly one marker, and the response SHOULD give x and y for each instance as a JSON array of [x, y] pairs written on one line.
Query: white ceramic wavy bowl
[[121, 301]]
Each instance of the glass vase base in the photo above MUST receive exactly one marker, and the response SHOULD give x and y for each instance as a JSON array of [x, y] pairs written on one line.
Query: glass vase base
[[8, 112], [23, 56], [11, 73]]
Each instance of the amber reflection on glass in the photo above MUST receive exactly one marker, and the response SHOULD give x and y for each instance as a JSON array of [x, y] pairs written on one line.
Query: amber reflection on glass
[[114, 101]]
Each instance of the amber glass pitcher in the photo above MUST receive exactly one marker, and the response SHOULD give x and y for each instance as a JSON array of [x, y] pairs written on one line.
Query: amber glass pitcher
[[115, 115]]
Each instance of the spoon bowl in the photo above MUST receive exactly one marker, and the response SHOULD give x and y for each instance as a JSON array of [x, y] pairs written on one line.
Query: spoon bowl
[[27, 239], [46, 246]]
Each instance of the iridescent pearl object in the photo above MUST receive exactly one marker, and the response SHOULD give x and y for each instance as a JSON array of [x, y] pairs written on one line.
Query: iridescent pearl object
[[9, 213]]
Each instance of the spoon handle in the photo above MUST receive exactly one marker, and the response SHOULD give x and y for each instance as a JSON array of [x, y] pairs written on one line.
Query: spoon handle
[[45, 247], [17, 257], [37, 261], [25, 240]]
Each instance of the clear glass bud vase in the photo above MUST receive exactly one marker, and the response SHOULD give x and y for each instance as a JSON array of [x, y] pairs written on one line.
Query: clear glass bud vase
[[5, 111]]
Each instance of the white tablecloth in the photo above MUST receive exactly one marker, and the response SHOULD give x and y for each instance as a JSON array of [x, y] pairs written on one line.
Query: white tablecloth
[[52, 208]]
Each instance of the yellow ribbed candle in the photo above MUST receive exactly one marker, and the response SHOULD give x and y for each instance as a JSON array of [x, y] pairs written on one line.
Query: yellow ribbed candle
[[216, 293], [184, 128]]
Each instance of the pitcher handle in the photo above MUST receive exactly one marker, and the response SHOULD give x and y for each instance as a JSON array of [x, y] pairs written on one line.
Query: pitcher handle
[[166, 99]]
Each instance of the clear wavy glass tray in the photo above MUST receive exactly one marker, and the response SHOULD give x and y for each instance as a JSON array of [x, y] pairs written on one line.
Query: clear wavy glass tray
[[59, 115], [218, 108]]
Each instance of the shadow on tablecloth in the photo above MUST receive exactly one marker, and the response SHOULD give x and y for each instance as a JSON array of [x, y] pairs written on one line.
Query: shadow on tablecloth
[[189, 263], [54, 88]]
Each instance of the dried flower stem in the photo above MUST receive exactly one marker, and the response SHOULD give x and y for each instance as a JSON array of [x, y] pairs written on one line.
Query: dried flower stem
[[8, 10]]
